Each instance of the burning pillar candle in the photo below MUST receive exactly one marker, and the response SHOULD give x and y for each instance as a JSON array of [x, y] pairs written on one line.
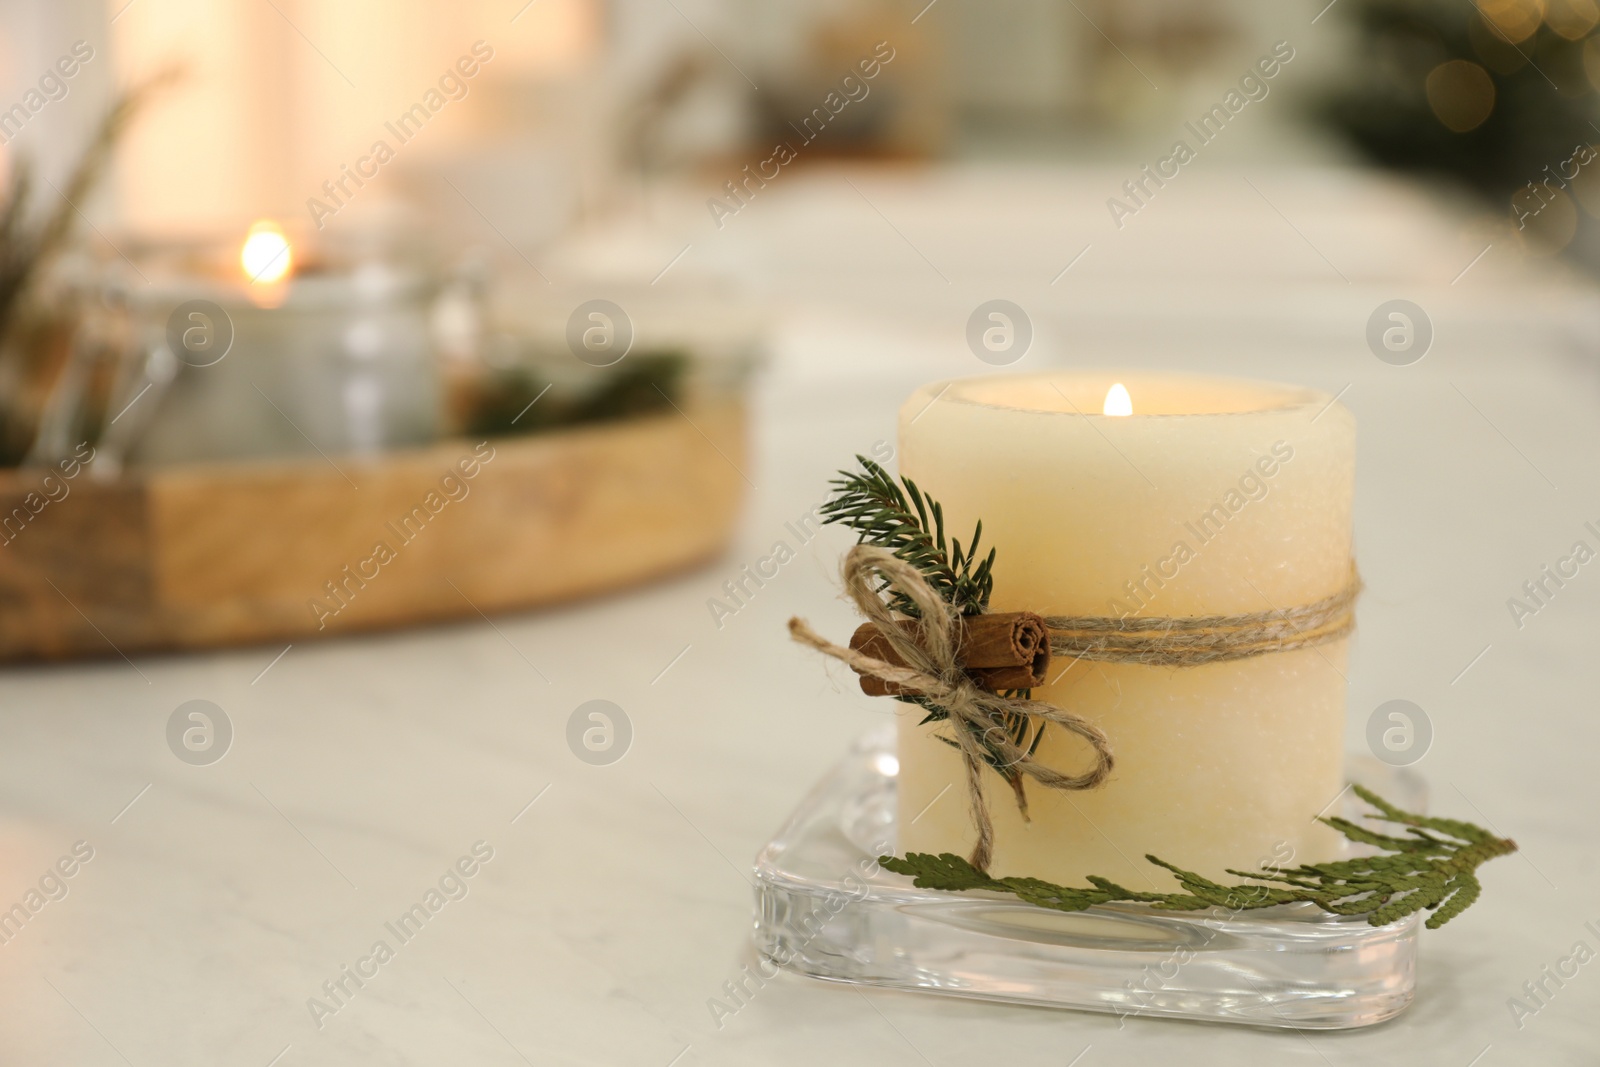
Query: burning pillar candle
[[1152, 496]]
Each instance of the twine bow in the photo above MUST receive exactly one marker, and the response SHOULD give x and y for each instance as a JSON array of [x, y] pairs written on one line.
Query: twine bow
[[930, 650]]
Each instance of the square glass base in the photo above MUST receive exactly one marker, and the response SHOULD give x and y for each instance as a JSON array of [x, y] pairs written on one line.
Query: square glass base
[[825, 909]]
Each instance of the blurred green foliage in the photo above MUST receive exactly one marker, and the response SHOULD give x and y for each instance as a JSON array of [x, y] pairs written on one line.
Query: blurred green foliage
[[1544, 100], [644, 384]]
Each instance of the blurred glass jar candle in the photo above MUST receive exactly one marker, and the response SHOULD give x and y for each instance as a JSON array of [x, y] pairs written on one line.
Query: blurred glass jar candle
[[275, 352], [1151, 496]]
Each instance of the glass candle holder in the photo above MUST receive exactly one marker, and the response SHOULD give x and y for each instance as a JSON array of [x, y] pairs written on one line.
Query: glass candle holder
[[335, 358]]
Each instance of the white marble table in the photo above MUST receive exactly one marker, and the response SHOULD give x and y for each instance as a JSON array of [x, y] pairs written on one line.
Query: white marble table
[[220, 899]]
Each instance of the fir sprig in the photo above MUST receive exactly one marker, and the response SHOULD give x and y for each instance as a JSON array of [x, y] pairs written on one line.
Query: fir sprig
[[1433, 867], [911, 525]]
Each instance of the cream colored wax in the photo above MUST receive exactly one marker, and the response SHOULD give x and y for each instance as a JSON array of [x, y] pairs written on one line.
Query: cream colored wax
[[1213, 497]]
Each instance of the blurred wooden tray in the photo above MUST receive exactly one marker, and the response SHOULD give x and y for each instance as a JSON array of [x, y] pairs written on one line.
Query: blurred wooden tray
[[208, 555]]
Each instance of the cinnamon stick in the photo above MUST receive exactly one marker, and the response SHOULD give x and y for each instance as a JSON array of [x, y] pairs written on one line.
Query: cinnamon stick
[[1007, 650]]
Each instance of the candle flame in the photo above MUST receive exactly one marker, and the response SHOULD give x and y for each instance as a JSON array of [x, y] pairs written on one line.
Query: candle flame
[[1118, 402], [266, 256]]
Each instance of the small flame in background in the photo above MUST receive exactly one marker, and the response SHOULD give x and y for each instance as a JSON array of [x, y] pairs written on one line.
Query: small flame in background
[[266, 256], [1118, 402]]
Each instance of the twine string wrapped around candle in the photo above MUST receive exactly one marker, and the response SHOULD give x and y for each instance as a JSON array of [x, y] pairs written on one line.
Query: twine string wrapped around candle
[[928, 652], [933, 670], [1197, 639]]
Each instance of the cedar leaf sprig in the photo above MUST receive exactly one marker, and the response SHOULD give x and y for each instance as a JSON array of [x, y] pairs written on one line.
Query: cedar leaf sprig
[[1433, 867], [911, 525]]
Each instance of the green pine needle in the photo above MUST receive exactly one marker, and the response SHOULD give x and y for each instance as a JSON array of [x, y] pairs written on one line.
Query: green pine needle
[[1433, 867], [911, 525]]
